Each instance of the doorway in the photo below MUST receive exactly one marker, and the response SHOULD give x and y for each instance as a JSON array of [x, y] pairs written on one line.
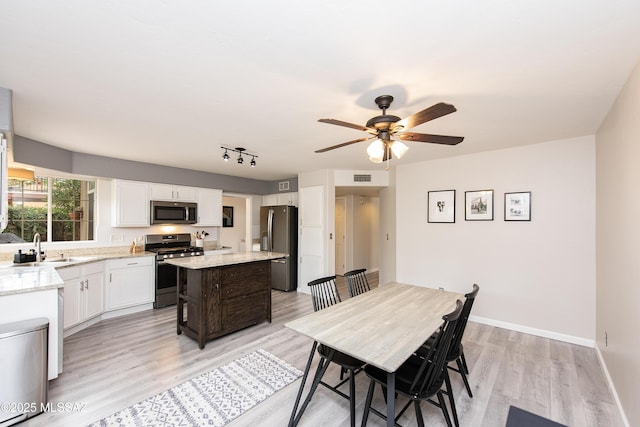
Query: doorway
[[357, 230], [340, 235], [238, 235]]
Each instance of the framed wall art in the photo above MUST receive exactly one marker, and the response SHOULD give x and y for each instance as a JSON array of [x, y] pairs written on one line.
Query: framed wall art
[[517, 206], [227, 216], [478, 205], [441, 206]]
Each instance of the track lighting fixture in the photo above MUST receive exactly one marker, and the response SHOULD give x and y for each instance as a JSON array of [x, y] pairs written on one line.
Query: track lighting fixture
[[241, 151]]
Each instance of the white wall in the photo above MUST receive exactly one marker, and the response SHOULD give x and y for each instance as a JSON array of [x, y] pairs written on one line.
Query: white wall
[[537, 276], [235, 237], [617, 236]]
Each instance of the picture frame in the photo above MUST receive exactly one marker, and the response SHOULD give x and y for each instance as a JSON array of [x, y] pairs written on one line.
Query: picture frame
[[517, 206], [227, 216], [441, 206], [478, 205]]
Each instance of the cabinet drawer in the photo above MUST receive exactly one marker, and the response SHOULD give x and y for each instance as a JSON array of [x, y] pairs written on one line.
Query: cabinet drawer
[[68, 273], [92, 268], [243, 311], [131, 262], [244, 279]]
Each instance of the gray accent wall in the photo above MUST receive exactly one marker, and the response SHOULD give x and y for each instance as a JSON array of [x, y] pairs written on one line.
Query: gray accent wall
[[31, 152]]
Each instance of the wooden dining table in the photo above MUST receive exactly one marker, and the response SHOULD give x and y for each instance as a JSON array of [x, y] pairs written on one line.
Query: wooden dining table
[[382, 327]]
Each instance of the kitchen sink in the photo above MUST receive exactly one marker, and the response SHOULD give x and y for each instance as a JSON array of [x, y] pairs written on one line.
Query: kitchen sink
[[69, 259]]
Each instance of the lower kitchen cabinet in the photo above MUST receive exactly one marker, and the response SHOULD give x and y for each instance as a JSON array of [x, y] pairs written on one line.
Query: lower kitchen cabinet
[[130, 282], [83, 292]]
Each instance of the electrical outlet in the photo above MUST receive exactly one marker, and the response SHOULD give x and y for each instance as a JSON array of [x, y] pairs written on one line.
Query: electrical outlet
[[117, 237]]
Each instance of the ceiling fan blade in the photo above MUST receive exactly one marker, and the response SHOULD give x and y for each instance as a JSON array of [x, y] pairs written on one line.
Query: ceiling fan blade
[[344, 144], [347, 124], [425, 137], [433, 112]]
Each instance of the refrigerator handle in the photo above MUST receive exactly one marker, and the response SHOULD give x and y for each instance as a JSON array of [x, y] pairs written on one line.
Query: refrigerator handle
[[270, 230]]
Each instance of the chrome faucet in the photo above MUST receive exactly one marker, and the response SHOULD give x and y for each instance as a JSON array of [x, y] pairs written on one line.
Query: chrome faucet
[[36, 243]]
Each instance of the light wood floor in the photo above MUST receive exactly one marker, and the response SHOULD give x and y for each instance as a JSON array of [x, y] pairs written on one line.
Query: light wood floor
[[121, 361]]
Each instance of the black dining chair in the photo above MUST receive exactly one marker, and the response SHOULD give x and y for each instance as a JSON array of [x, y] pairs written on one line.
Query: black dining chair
[[420, 377], [357, 282], [456, 352], [324, 293]]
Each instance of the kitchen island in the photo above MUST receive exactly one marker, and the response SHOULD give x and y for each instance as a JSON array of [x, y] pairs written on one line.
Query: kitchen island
[[220, 294]]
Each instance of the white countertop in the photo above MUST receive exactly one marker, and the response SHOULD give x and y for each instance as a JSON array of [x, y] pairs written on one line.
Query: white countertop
[[28, 279], [210, 261], [43, 276]]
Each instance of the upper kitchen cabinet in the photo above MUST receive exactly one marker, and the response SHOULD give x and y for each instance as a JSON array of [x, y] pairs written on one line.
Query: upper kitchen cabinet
[[172, 193], [130, 204], [289, 199], [209, 207]]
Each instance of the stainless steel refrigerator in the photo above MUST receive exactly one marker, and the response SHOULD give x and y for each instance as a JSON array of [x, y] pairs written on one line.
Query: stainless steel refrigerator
[[279, 233]]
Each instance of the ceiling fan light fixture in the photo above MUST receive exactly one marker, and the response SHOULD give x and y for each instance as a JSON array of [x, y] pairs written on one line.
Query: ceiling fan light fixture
[[399, 149], [376, 151]]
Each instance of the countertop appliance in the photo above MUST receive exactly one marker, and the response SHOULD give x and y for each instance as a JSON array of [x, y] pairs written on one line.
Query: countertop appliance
[[168, 246], [163, 212], [279, 233]]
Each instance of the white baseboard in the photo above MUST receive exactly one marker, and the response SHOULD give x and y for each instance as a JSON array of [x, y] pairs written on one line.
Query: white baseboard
[[128, 310], [612, 387], [533, 331]]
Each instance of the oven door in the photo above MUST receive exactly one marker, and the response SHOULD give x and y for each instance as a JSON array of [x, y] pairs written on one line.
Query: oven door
[[166, 284]]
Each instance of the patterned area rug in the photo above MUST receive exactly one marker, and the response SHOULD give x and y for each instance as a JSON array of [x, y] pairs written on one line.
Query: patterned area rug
[[213, 398]]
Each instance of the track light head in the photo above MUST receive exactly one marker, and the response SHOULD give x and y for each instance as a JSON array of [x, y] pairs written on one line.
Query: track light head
[[240, 151]]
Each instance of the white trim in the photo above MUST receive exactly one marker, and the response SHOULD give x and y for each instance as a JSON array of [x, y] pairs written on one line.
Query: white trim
[[533, 331], [612, 387]]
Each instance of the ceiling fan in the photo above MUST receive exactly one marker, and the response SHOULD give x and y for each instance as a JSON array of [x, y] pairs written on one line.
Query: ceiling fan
[[388, 130]]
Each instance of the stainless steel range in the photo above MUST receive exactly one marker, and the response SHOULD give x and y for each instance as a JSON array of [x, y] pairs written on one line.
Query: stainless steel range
[[167, 246]]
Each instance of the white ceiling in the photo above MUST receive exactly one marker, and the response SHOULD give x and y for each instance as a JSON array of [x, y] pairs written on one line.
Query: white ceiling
[[169, 82]]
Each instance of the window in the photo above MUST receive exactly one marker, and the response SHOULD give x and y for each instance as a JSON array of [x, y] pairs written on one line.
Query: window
[[60, 209]]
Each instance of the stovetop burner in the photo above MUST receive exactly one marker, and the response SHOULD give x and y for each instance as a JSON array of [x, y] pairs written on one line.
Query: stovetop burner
[[172, 245]]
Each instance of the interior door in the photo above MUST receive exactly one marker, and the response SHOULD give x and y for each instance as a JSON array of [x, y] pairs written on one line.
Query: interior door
[[340, 235]]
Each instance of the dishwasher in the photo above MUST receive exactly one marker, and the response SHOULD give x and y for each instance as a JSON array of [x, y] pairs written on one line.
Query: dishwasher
[[23, 369]]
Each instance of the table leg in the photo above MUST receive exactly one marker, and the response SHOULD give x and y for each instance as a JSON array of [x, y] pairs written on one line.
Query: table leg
[[322, 368], [391, 399]]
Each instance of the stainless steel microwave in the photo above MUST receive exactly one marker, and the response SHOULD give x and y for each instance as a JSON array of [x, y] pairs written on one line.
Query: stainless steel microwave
[[163, 212]]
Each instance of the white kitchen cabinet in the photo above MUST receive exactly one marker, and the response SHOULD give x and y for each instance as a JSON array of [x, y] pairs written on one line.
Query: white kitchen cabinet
[[130, 204], [209, 207], [270, 200], [172, 193], [130, 282], [289, 199], [83, 292]]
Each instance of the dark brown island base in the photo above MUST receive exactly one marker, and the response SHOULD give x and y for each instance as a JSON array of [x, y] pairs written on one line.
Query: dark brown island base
[[223, 293]]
